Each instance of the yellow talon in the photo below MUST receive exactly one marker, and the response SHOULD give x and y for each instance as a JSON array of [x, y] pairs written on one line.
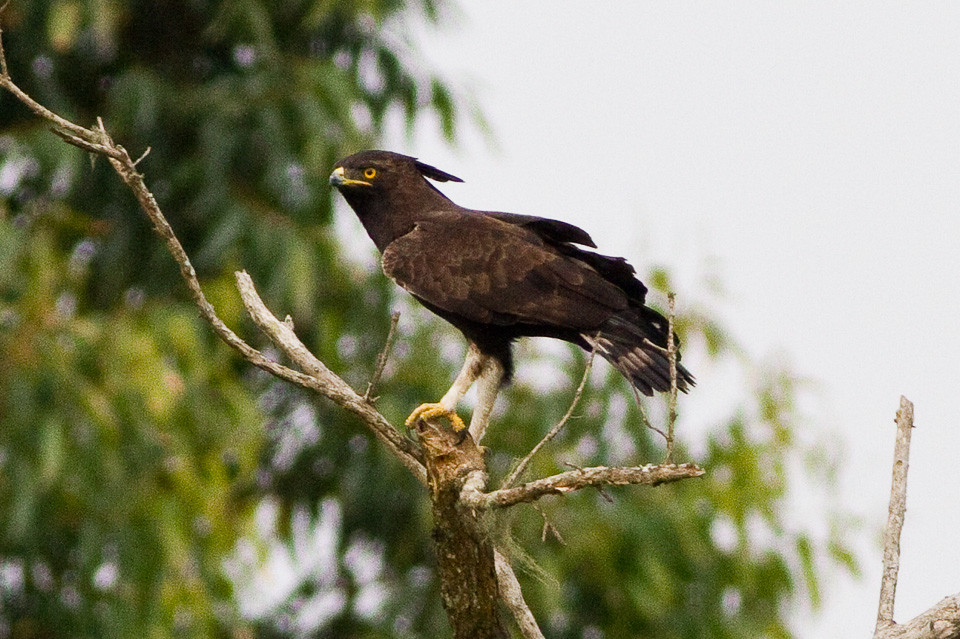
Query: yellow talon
[[429, 411]]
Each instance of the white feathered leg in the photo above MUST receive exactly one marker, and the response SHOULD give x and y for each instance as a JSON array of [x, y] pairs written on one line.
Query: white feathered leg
[[472, 367], [488, 386], [488, 373]]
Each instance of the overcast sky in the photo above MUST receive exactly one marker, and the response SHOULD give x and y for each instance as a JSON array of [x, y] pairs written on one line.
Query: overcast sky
[[808, 156]]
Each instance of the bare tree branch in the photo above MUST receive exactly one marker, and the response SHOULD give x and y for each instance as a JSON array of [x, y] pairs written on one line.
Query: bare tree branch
[[941, 621], [651, 475], [320, 378], [325, 381], [672, 358], [512, 597], [895, 516], [91, 147]]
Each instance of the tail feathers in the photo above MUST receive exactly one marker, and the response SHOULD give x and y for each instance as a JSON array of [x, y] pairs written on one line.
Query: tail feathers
[[635, 342]]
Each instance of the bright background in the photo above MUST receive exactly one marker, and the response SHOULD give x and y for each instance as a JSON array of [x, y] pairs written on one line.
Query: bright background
[[805, 154]]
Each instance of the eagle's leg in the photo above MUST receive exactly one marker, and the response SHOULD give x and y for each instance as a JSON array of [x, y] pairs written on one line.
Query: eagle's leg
[[488, 385], [447, 406]]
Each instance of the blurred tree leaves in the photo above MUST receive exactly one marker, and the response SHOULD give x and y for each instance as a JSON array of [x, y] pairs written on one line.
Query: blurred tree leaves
[[150, 482], [124, 434], [131, 440]]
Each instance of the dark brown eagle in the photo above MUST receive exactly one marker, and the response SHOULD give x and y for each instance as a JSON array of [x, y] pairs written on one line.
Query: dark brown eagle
[[500, 276]]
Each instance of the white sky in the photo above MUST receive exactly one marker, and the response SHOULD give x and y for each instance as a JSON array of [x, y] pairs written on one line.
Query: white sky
[[808, 154]]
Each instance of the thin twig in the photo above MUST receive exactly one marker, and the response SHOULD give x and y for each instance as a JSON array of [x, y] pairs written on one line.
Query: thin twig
[[606, 496], [143, 155], [522, 466], [85, 145], [672, 357], [643, 414], [895, 516], [548, 527], [383, 357]]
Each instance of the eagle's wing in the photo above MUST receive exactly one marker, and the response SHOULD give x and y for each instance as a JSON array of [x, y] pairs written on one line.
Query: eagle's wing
[[553, 231], [562, 236], [492, 272]]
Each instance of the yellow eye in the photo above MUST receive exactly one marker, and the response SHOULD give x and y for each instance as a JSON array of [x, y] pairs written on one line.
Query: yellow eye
[[370, 173]]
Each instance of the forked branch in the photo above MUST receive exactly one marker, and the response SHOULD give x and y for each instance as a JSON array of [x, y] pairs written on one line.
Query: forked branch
[[325, 381]]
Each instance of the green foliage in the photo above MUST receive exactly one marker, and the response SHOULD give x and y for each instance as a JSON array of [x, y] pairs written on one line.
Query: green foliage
[[128, 445], [133, 445], [140, 459]]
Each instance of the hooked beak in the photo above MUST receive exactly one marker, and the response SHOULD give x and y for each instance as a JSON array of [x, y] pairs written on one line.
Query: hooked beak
[[338, 178]]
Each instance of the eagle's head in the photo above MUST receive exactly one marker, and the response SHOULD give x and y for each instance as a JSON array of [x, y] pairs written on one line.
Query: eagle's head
[[369, 173], [389, 192]]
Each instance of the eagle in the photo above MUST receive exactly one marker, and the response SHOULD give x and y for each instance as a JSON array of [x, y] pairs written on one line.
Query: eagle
[[501, 276]]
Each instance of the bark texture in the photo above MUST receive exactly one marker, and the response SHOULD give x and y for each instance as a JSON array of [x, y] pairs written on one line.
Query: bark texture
[[465, 553]]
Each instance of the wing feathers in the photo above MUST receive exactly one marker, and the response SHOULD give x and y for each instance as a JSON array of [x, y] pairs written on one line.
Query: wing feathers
[[491, 271], [554, 231]]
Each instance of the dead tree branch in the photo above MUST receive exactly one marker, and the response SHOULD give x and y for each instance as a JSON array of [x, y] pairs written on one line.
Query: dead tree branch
[[650, 475], [895, 516], [943, 620], [512, 597], [320, 379], [325, 381], [672, 357]]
